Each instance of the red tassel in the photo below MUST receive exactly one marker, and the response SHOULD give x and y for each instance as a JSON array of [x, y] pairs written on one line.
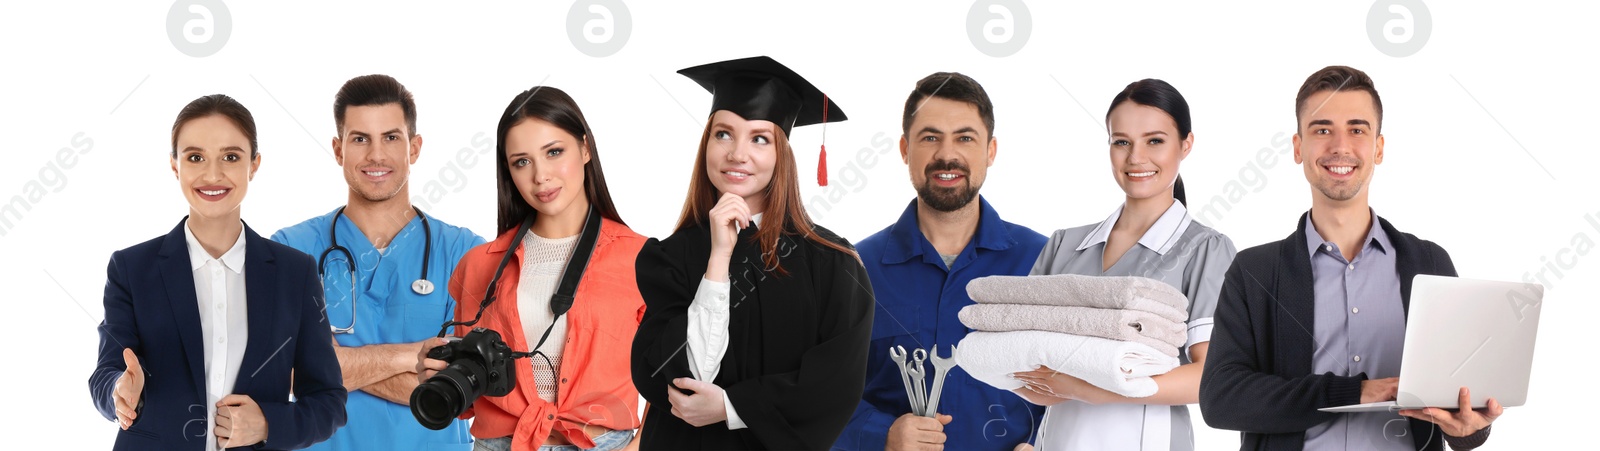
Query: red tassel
[[822, 166], [822, 157]]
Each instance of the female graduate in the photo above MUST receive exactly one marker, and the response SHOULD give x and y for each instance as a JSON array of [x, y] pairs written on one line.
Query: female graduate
[[211, 328], [758, 320], [1151, 235], [573, 392]]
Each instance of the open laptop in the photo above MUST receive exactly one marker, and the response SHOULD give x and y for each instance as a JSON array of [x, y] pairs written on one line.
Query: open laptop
[[1469, 333]]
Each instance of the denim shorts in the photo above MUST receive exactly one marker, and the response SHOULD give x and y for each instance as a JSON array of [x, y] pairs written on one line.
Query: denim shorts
[[609, 441]]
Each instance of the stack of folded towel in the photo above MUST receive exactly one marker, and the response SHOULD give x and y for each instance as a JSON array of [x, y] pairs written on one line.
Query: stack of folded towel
[[1112, 332]]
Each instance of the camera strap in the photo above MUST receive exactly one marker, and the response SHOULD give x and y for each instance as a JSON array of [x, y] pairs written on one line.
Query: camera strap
[[565, 293]]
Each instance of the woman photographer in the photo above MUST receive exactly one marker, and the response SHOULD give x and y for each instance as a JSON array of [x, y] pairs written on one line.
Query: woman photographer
[[573, 391]]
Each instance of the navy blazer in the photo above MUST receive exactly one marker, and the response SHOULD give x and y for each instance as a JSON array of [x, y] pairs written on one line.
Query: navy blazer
[[151, 308]]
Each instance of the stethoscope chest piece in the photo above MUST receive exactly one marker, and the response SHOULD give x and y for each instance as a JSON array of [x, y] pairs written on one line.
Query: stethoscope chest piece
[[422, 287]]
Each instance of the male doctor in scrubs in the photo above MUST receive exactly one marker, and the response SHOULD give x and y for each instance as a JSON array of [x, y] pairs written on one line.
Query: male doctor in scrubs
[[401, 260]]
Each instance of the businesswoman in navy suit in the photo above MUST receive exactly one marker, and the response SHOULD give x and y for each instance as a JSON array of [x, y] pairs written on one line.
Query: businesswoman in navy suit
[[208, 328]]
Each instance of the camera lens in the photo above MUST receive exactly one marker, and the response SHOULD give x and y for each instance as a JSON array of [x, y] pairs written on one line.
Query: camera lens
[[447, 394], [432, 402]]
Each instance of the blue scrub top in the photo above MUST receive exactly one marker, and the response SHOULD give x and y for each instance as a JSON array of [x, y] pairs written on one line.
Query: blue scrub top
[[388, 311]]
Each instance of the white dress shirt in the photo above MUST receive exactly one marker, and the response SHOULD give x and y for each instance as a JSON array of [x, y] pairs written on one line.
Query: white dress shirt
[[708, 334], [219, 288]]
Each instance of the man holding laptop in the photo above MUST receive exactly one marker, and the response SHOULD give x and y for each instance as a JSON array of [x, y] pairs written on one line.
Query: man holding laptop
[[1318, 320]]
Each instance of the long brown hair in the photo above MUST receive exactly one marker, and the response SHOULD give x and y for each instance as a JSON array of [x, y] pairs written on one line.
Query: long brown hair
[[782, 208], [557, 108]]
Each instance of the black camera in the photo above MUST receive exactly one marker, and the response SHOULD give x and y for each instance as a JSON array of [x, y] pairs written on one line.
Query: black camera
[[480, 365]]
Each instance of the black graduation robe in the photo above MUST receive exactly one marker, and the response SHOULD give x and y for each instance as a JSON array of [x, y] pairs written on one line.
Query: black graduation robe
[[797, 343]]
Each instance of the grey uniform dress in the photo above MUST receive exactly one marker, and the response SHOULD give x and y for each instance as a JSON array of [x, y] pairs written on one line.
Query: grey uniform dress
[[1175, 250]]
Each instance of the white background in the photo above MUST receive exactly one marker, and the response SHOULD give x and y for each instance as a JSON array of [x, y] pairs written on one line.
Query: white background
[[1490, 135]]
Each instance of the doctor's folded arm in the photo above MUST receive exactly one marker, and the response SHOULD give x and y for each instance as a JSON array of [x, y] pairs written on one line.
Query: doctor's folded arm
[[383, 263], [751, 327]]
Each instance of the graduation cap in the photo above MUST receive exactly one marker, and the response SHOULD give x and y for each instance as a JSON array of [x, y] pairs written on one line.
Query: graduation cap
[[760, 88]]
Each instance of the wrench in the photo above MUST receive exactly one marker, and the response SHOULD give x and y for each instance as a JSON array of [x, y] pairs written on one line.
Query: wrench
[[941, 366], [898, 353], [921, 382]]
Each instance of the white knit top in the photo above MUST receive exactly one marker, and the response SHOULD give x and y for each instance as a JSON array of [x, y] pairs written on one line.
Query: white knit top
[[543, 259]]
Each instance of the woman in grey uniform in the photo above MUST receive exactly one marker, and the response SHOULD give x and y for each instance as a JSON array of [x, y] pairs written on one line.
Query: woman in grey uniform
[[1151, 235]]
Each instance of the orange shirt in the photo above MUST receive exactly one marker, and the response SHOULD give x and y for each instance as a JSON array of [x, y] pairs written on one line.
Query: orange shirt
[[595, 386]]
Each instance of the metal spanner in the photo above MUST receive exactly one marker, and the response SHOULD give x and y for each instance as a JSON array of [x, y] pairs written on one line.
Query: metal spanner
[[920, 406], [941, 366], [898, 353]]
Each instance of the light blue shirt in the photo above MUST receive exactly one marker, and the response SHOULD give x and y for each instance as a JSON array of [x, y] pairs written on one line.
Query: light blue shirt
[[1360, 325], [386, 311]]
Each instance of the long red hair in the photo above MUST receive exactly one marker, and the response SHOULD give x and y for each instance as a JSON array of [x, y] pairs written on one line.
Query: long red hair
[[782, 202]]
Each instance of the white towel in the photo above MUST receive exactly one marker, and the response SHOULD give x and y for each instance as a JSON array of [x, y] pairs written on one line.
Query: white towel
[[1120, 367], [1132, 293], [1162, 334]]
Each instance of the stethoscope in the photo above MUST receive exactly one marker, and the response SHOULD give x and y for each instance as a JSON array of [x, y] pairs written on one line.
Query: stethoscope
[[421, 286]]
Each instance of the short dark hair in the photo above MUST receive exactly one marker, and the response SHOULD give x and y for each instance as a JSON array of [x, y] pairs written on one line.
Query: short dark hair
[[949, 86], [1161, 95], [221, 105], [1337, 78], [374, 90]]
